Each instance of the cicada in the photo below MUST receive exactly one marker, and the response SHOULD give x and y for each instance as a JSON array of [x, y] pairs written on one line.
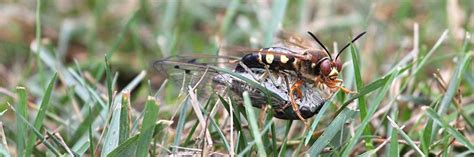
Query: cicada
[[296, 81]]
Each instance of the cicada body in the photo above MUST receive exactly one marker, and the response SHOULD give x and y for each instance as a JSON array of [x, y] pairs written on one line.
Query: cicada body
[[277, 84], [274, 95]]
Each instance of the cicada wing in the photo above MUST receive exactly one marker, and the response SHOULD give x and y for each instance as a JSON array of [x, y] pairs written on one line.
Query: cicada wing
[[191, 63], [195, 71]]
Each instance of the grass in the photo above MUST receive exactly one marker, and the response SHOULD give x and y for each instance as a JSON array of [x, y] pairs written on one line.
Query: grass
[[77, 79]]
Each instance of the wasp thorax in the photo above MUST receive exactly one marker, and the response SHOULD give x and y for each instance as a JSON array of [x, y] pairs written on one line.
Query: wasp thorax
[[315, 55]]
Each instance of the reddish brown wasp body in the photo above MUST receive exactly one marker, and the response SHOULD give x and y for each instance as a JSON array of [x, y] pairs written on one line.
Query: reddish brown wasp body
[[310, 65]]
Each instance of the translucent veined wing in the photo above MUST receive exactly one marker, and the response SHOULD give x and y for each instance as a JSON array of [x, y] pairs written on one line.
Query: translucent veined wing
[[191, 63], [294, 41]]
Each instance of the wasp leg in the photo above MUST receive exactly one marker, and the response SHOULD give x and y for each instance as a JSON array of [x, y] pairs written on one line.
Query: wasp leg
[[331, 93], [345, 90], [289, 90], [262, 114], [297, 88]]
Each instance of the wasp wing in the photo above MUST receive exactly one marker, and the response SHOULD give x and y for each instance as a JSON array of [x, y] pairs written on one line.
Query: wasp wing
[[293, 41]]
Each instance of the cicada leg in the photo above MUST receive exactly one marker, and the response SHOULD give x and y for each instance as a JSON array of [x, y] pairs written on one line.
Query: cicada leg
[[296, 88]]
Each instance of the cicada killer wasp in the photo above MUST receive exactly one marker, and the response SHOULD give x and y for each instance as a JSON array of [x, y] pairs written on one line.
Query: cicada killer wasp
[[306, 73], [313, 65]]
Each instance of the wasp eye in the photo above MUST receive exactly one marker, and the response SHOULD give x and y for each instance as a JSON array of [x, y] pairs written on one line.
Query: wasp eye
[[326, 67], [338, 65]]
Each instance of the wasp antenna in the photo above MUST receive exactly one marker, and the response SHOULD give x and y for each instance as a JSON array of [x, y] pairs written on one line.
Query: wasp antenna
[[347, 45], [321, 44]]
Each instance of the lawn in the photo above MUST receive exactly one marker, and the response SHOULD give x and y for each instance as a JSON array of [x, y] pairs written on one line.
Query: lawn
[[77, 78]]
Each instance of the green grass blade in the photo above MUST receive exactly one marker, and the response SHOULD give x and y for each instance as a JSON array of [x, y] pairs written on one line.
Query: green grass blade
[[48, 59], [334, 127], [168, 21], [251, 144], [354, 140], [213, 124], [361, 100], [253, 123], [278, 13], [229, 16], [371, 87], [91, 135], [426, 135], [113, 133], [40, 115], [35, 131], [393, 146], [285, 139], [237, 123], [236, 117], [274, 140], [108, 76], [81, 147], [318, 118], [148, 127], [121, 35], [252, 83], [124, 118], [451, 130], [4, 151], [112, 136], [406, 137], [239, 143], [38, 39], [430, 53], [3, 140], [85, 125], [221, 134], [368, 89], [88, 88], [218, 129], [22, 111], [189, 138], [180, 126], [266, 139], [454, 83], [126, 148], [453, 86]]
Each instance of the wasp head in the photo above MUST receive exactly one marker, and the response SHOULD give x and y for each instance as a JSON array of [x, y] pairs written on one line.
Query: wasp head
[[330, 67]]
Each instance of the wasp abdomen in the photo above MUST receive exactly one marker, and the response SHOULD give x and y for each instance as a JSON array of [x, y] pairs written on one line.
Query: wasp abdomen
[[275, 58]]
